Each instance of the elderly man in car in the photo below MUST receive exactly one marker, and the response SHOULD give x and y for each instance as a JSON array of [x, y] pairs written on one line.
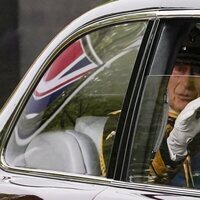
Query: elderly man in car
[[179, 156]]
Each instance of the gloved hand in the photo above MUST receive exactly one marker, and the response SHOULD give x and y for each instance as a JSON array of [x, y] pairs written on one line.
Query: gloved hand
[[186, 127]]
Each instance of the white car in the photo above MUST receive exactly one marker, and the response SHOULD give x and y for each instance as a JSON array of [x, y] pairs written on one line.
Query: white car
[[89, 116]]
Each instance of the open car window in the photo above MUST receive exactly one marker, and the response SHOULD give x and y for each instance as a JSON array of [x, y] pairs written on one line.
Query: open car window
[[76, 104], [166, 139]]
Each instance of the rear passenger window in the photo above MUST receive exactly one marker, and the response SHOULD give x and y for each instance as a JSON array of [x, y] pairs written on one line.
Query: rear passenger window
[[76, 105]]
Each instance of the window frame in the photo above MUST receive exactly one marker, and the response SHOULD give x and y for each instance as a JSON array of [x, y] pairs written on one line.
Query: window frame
[[19, 108], [118, 156], [150, 67]]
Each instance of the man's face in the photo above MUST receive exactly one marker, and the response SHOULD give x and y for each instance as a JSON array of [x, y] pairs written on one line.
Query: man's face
[[183, 86]]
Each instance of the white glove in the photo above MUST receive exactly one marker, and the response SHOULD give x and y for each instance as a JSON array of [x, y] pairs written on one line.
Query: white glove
[[187, 126]]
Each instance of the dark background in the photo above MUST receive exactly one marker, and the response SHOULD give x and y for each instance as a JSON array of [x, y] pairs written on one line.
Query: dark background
[[26, 27]]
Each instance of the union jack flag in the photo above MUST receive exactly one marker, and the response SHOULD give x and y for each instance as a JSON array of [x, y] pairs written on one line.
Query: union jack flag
[[71, 65]]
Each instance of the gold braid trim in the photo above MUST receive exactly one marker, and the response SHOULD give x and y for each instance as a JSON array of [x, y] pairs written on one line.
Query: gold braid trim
[[158, 165], [173, 114], [101, 158], [159, 172], [188, 172]]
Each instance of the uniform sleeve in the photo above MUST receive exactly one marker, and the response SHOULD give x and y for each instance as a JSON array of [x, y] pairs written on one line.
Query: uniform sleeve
[[162, 168]]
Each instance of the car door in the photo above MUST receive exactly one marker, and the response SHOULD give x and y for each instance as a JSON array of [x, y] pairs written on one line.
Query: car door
[[69, 107], [147, 120]]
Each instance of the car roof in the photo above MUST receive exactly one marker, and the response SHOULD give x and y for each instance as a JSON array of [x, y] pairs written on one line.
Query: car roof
[[121, 6], [124, 6], [150, 4]]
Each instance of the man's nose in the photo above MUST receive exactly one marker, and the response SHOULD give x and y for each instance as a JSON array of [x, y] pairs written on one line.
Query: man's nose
[[187, 79]]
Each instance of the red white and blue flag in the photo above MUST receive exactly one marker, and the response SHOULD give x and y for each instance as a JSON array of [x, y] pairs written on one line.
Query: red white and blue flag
[[71, 65]]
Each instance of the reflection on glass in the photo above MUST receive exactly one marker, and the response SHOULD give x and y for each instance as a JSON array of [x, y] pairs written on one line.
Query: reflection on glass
[[78, 99]]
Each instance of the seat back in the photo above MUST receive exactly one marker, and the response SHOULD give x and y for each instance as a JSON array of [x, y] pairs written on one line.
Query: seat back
[[66, 151]]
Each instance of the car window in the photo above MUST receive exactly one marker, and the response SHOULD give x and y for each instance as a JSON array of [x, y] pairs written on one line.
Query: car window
[[165, 147], [76, 104]]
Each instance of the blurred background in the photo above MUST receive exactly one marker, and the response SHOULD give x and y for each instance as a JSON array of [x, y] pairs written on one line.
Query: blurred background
[[26, 27]]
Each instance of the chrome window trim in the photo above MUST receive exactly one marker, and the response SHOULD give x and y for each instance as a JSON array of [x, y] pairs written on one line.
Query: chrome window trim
[[158, 189], [178, 13], [56, 175]]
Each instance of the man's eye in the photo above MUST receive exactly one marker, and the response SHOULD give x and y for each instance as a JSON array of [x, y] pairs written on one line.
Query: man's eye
[[179, 69]]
